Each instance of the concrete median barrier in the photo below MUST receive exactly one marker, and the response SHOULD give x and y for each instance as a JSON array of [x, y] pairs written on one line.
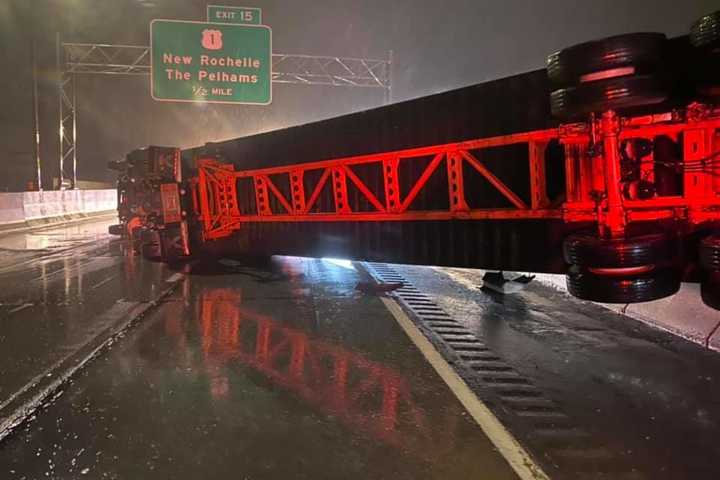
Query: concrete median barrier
[[11, 208], [29, 209]]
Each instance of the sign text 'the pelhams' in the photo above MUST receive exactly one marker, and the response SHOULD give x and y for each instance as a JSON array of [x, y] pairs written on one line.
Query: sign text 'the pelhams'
[[211, 61]]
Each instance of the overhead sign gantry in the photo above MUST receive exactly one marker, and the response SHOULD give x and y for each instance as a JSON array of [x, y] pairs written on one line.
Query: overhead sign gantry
[[75, 59]]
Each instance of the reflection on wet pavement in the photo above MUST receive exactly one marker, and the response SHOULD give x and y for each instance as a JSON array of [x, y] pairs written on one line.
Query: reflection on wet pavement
[[55, 300], [53, 238], [283, 369], [244, 373]]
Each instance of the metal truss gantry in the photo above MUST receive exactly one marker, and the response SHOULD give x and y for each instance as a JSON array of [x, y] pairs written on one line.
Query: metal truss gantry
[[105, 59]]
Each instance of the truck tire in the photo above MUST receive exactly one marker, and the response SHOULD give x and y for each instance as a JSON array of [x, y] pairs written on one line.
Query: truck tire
[[705, 32], [168, 249], [705, 37], [649, 286], [150, 251], [710, 290], [150, 247], [631, 54], [710, 253], [709, 259], [611, 94], [707, 77], [710, 92], [587, 250]]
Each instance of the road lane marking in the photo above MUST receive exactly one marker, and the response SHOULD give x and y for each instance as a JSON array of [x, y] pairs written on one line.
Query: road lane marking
[[103, 282], [21, 307], [508, 446], [23, 403], [175, 277]]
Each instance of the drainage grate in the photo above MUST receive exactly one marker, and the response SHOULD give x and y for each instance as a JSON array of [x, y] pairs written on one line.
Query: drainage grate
[[568, 449]]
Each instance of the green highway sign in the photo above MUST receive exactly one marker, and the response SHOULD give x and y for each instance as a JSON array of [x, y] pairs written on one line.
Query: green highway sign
[[239, 15], [210, 62]]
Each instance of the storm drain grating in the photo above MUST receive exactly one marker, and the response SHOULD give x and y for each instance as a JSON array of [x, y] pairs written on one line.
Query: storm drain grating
[[566, 446]]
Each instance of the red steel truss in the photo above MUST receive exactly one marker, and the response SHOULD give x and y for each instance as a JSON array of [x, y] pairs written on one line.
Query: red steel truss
[[592, 192]]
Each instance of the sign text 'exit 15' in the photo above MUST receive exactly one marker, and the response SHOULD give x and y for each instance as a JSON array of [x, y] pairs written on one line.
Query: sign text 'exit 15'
[[239, 15]]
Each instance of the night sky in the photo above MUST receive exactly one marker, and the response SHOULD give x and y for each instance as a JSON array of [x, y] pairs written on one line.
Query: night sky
[[437, 46]]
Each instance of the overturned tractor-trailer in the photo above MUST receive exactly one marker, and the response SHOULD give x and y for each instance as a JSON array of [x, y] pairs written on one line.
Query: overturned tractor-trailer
[[605, 166]]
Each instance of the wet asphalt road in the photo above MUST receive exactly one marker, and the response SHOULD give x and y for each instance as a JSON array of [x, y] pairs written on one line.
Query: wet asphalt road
[[284, 370], [60, 287], [628, 401]]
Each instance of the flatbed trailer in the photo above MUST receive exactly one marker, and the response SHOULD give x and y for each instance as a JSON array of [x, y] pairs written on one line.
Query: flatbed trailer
[[615, 181]]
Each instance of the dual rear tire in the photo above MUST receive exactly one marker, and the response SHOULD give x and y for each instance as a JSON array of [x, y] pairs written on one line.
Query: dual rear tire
[[705, 38], [616, 73], [628, 288], [621, 270], [632, 71], [710, 264], [629, 74]]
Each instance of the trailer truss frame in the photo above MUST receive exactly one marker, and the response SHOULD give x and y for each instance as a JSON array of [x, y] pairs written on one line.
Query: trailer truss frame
[[220, 214]]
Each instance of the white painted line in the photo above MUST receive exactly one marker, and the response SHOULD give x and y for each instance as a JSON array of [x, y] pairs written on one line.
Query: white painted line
[[508, 446], [121, 316], [21, 307], [175, 277], [103, 282]]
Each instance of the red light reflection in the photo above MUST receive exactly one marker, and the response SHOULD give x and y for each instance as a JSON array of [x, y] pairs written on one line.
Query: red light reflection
[[362, 393]]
